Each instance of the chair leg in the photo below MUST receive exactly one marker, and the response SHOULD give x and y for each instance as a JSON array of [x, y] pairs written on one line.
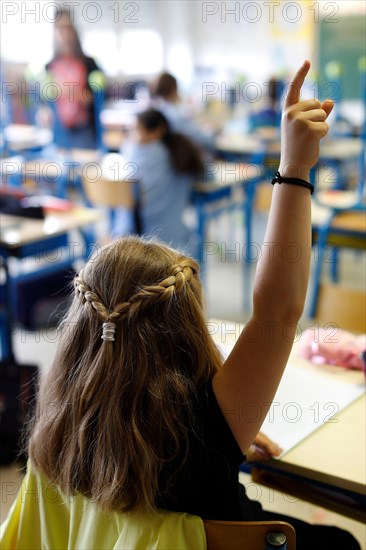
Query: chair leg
[[201, 235], [322, 242], [248, 257], [6, 347], [334, 265]]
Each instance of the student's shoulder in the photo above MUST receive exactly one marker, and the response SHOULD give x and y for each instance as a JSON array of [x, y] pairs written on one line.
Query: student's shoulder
[[153, 148], [91, 64], [147, 154]]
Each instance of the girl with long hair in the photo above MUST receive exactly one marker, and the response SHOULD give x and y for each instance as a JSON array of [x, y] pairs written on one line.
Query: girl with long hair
[[166, 165], [136, 412]]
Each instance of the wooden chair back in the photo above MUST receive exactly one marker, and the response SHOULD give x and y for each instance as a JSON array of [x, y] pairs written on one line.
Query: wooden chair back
[[263, 197], [342, 306], [56, 520], [109, 193], [248, 535]]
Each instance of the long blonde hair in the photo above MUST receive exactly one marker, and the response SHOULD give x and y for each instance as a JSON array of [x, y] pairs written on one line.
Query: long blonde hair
[[111, 414]]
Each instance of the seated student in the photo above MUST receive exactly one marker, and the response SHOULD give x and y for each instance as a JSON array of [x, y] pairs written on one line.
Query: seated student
[[268, 115], [136, 411], [70, 69], [167, 164], [167, 100]]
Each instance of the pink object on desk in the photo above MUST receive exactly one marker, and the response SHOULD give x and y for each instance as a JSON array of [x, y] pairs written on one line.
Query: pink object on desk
[[334, 348]]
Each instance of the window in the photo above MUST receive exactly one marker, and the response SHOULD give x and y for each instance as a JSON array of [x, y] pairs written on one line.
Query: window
[[141, 52]]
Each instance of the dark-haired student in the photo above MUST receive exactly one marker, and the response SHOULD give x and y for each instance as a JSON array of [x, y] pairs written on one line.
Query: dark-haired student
[[167, 164], [167, 100]]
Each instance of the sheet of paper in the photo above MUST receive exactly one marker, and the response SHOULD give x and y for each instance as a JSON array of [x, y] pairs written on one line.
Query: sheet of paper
[[303, 403]]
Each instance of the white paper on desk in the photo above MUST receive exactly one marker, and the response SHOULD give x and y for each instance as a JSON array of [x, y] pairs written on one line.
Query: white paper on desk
[[303, 403]]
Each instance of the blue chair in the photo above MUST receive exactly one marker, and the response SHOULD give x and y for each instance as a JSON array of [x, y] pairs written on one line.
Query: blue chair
[[353, 209], [346, 225]]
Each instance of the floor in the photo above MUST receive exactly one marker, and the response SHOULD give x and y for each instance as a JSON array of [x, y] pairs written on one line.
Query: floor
[[227, 290]]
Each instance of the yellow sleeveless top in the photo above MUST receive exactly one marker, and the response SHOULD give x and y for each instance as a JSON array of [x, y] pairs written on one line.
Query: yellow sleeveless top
[[43, 518]]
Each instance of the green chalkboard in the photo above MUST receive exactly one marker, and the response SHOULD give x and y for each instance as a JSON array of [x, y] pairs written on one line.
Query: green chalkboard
[[343, 41]]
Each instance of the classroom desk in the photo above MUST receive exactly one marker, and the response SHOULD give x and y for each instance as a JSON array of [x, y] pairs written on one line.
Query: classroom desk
[[17, 232], [23, 137], [243, 145], [24, 237], [50, 171], [334, 153], [117, 120], [331, 149], [328, 467], [347, 228]]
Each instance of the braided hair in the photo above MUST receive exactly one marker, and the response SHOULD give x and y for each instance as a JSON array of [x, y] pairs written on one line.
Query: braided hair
[[122, 406]]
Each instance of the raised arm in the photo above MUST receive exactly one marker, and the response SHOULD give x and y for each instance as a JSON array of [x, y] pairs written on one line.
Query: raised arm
[[247, 382]]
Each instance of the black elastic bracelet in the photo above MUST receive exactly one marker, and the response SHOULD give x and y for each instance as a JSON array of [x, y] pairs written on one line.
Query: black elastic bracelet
[[294, 181]]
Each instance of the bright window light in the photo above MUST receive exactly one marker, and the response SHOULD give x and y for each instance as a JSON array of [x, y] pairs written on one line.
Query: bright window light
[[180, 63], [141, 52], [27, 39], [103, 47], [344, 8]]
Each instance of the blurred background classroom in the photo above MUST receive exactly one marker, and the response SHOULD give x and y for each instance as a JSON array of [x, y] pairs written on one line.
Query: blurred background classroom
[[85, 157]]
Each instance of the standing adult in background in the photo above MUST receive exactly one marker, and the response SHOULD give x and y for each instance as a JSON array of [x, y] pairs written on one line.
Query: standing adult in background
[[70, 69], [168, 101]]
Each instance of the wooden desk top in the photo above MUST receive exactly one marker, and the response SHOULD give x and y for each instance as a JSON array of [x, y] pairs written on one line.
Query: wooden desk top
[[24, 136], [335, 453], [332, 149], [243, 143], [341, 148], [17, 231], [347, 221], [119, 119], [226, 174], [350, 221]]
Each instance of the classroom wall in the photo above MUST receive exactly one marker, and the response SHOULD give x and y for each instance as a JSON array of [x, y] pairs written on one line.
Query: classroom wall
[[229, 40]]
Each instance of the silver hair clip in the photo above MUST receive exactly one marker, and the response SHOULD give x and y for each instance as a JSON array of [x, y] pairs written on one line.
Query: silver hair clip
[[109, 330]]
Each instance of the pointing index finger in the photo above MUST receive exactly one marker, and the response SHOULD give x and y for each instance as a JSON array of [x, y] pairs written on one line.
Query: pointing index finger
[[293, 94]]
